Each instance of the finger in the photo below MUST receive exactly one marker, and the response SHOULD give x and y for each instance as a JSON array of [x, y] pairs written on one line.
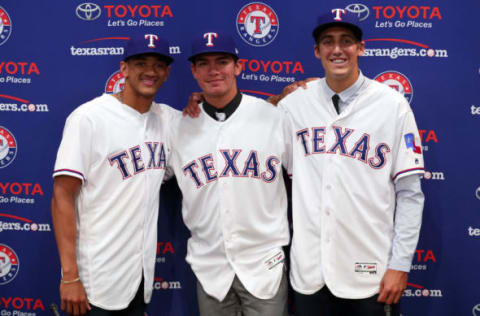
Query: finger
[[302, 83], [397, 298], [197, 97], [382, 296], [390, 298], [76, 310], [68, 308], [62, 305], [83, 308]]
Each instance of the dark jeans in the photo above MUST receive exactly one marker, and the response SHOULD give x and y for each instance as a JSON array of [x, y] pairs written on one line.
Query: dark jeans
[[135, 308], [324, 303]]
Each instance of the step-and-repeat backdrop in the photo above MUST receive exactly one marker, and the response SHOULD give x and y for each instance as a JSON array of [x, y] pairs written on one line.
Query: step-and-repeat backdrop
[[56, 55]]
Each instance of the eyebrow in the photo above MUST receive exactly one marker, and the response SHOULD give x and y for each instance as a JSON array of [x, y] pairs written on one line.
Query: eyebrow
[[331, 36], [222, 57]]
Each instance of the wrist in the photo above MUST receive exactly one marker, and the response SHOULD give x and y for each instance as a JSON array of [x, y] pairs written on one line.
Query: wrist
[[69, 281]]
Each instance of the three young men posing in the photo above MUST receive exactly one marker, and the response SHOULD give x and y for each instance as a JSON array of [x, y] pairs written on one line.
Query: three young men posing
[[352, 147]]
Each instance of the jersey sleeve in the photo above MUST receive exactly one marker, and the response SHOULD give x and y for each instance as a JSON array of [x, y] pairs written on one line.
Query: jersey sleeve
[[409, 154], [73, 156]]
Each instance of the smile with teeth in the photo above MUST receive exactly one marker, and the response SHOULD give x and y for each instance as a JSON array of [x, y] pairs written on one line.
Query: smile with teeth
[[148, 81], [338, 60]]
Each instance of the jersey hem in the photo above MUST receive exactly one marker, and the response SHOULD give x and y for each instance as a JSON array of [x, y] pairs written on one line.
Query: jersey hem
[[407, 172], [69, 172]]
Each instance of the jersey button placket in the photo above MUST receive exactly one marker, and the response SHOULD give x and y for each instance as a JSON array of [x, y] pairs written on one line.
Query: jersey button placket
[[223, 191]]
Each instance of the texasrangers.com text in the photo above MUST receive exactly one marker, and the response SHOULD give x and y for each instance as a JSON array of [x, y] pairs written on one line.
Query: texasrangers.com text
[[396, 52], [6, 226]]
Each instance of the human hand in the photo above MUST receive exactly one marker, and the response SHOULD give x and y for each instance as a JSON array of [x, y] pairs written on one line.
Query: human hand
[[393, 284], [74, 298], [192, 109]]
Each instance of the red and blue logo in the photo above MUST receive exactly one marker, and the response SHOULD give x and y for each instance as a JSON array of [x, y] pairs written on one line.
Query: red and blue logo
[[8, 147], [398, 82], [410, 142], [9, 264], [257, 24], [5, 26], [115, 83]]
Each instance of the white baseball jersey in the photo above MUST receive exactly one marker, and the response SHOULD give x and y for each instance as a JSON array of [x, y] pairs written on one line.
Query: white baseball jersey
[[120, 156], [234, 199], [344, 168]]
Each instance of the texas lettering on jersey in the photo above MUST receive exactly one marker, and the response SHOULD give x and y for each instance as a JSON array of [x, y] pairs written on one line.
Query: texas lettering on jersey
[[312, 140], [251, 167], [133, 157]]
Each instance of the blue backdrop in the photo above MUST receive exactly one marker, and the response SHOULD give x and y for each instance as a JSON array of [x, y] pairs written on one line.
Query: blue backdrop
[[56, 55]]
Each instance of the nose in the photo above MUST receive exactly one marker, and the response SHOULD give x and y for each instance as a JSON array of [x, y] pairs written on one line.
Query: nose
[[337, 49], [212, 69], [149, 69]]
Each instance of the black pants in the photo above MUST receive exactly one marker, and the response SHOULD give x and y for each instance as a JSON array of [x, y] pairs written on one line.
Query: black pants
[[135, 308], [324, 303]]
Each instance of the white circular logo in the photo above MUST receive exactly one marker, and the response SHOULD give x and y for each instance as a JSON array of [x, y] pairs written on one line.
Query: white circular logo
[[88, 11], [257, 24], [477, 193], [398, 82], [361, 10], [8, 147], [9, 264], [476, 310]]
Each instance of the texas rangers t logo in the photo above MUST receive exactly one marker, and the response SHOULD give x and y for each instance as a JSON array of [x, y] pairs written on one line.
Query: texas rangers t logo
[[209, 36], [338, 14], [257, 24], [151, 38]]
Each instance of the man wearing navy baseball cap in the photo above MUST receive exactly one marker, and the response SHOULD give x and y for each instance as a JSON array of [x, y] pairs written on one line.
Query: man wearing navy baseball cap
[[356, 196], [107, 177], [228, 164]]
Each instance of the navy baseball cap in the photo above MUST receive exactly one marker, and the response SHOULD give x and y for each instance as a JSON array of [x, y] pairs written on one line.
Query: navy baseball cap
[[338, 17], [213, 42], [147, 44]]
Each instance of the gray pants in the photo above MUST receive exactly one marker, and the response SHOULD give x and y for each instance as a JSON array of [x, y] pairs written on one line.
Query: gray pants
[[239, 302]]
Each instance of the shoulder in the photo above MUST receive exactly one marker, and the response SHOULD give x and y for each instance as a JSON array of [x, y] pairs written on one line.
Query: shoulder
[[385, 92], [300, 94], [390, 99], [90, 110], [165, 111], [259, 105]]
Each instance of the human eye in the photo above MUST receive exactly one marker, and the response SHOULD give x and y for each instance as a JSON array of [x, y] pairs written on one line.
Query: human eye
[[347, 41], [327, 41]]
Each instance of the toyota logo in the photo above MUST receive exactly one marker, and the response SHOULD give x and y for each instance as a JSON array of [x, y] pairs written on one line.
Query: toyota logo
[[88, 11], [359, 9]]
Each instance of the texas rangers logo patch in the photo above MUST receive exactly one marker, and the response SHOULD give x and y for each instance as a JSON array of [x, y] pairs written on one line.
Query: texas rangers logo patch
[[115, 83], [5, 26], [397, 81], [410, 143], [9, 264], [257, 24], [8, 147]]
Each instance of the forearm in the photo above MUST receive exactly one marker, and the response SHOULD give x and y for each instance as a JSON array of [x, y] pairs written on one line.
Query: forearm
[[408, 219], [64, 223]]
